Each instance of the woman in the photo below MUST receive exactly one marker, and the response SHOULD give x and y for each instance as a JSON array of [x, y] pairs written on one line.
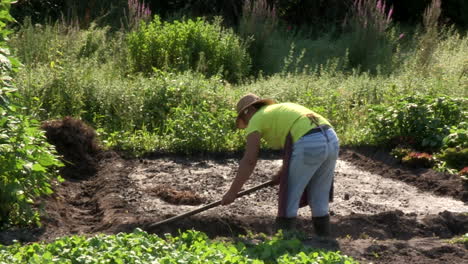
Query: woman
[[311, 150]]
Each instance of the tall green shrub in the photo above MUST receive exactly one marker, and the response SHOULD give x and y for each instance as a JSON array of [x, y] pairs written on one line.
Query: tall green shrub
[[26, 159], [189, 45]]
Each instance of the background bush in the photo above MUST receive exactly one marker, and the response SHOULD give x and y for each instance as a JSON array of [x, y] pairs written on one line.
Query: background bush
[[422, 122], [189, 45]]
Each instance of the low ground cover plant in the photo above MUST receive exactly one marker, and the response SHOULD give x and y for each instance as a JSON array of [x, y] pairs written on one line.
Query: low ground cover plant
[[188, 247], [461, 240]]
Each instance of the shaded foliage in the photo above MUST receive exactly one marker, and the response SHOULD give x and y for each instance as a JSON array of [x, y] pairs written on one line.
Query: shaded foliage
[[296, 12]]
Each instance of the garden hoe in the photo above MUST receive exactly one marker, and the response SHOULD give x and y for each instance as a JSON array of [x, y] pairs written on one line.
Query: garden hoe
[[211, 205]]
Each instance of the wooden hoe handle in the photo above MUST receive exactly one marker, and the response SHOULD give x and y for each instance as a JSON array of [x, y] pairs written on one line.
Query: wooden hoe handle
[[211, 205]]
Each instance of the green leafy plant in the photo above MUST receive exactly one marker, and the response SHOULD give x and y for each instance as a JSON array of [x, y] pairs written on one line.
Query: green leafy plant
[[189, 45], [455, 157], [400, 152], [188, 122], [27, 161], [417, 121], [188, 247], [458, 137], [27, 165], [132, 144]]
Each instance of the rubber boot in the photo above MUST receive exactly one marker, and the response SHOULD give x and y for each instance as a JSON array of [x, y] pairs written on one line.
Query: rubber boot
[[323, 237], [322, 226]]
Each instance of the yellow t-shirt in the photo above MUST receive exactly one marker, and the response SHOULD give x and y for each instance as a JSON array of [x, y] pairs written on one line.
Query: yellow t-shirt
[[275, 121]]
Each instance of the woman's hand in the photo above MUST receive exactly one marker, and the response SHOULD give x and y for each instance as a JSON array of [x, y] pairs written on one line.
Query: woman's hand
[[228, 198]]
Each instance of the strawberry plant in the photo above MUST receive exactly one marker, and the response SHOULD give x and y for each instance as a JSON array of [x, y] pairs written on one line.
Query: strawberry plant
[[464, 173]]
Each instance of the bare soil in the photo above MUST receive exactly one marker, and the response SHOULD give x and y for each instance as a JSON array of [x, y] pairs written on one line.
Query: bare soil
[[382, 212]]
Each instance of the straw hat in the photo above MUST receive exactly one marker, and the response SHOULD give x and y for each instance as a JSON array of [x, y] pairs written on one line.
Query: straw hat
[[248, 100]]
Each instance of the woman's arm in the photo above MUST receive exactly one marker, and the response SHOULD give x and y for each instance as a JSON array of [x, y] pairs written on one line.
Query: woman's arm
[[246, 167]]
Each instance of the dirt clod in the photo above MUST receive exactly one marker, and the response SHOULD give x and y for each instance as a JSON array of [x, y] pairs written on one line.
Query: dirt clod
[[177, 197], [77, 143], [346, 196]]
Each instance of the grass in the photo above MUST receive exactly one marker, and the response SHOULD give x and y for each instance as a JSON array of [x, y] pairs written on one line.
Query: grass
[[460, 240], [85, 73]]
